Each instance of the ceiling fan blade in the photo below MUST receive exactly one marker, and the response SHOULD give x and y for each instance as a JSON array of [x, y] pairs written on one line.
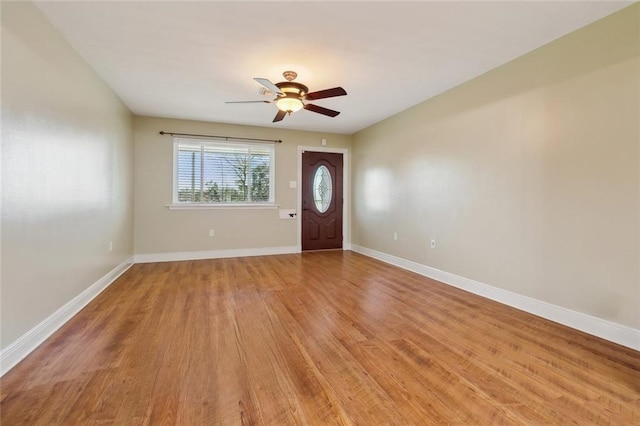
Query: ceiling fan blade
[[269, 85], [321, 110], [280, 115], [327, 93], [248, 102]]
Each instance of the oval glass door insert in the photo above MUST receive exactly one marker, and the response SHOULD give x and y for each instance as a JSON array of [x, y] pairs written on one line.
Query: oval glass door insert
[[322, 189]]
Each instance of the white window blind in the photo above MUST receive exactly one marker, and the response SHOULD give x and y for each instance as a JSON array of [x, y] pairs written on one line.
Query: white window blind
[[209, 172]]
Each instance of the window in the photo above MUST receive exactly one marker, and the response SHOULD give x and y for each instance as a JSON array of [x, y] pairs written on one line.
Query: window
[[220, 173], [322, 188]]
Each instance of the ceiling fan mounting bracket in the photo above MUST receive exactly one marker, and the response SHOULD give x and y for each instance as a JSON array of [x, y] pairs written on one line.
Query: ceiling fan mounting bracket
[[289, 75]]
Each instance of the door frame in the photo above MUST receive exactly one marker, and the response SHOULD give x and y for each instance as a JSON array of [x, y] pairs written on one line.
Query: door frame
[[346, 195]]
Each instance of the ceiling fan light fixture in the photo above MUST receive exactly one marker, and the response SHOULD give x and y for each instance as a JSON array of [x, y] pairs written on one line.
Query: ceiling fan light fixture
[[290, 96], [289, 105]]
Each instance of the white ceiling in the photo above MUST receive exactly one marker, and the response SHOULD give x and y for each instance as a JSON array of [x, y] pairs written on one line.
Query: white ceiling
[[185, 59]]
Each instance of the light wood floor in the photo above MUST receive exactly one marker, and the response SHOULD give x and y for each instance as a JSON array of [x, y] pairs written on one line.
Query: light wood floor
[[313, 338]]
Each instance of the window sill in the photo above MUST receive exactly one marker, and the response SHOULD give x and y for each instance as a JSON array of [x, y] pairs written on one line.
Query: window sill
[[202, 206]]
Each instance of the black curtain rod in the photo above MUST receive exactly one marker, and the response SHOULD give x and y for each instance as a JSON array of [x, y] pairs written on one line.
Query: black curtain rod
[[226, 138]]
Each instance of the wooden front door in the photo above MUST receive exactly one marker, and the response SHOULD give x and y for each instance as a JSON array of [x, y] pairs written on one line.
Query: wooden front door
[[321, 200]]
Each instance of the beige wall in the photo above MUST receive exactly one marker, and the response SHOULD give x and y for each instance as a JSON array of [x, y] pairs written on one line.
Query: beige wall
[[66, 173], [161, 230], [528, 177]]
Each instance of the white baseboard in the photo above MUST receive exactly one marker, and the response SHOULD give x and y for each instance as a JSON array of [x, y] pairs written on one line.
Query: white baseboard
[[604, 329], [25, 344], [213, 254]]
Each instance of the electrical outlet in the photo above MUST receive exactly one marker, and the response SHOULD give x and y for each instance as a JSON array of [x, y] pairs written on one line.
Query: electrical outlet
[[395, 236], [110, 246], [433, 243], [211, 233]]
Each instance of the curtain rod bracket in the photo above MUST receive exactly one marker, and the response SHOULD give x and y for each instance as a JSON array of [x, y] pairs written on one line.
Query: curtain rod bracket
[[226, 138]]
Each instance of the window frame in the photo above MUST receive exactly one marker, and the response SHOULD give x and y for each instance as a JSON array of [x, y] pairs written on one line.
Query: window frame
[[177, 204]]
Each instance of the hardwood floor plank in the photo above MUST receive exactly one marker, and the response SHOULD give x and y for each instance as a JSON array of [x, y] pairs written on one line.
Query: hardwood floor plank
[[318, 398], [313, 338]]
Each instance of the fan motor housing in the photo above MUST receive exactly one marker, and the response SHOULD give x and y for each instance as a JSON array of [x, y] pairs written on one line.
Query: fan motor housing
[[290, 87]]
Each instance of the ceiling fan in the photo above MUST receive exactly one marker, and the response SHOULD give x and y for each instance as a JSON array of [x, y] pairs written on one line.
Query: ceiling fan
[[290, 96]]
